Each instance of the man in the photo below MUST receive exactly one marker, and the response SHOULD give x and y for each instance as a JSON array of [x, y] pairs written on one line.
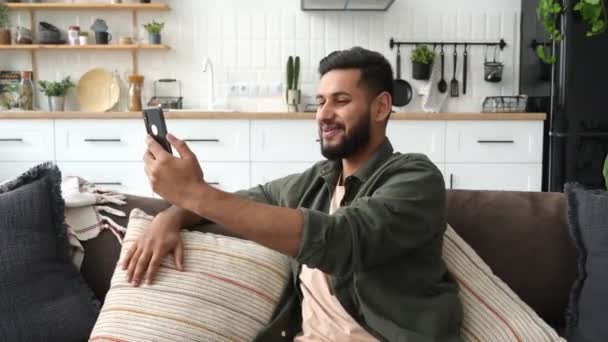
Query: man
[[365, 227]]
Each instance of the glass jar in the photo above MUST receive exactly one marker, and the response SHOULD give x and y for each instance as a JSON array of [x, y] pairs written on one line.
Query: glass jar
[[26, 91], [135, 89], [73, 33]]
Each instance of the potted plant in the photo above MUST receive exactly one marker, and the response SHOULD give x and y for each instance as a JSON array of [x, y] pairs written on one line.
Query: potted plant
[[293, 75], [56, 92], [5, 22], [154, 29], [422, 59]]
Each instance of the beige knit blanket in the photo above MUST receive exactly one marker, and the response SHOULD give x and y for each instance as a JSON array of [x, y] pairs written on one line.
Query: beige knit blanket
[[87, 213]]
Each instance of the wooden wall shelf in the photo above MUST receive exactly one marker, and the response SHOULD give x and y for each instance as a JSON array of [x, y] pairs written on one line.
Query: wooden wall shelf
[[87, 6], [111, 47]]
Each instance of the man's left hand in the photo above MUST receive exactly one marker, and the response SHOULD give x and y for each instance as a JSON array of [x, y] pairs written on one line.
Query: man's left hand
[[172, 178]]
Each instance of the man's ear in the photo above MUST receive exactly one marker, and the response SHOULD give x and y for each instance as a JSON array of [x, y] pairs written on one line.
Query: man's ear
[[382, 106]]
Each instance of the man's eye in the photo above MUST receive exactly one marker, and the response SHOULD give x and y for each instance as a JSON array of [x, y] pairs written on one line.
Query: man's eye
[[342, 100]]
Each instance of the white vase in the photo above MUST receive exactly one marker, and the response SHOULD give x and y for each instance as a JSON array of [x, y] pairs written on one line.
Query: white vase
[[293, 99]]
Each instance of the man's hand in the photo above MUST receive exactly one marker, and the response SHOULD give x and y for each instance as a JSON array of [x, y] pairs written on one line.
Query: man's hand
[[171, 177], [146, 254]]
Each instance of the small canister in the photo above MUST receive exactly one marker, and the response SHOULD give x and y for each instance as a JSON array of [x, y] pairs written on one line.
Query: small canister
[[73, 32], [135, 92]]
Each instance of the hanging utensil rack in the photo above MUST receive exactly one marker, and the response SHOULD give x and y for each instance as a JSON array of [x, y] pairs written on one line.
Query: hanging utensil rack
[[501, 43]]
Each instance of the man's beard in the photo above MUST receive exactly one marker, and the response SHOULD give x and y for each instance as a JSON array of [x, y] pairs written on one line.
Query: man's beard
[[351, 142]]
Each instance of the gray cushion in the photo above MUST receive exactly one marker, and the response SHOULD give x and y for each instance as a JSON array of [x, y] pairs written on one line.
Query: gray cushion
[[42, 295], [588, 216]]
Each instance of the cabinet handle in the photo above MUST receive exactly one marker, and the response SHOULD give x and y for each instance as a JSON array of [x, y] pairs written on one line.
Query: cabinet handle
[[108, 183], [11, 139], [202, 140], [451, 181], [213, 183], [318, 140], [101, 140], [496, 141]]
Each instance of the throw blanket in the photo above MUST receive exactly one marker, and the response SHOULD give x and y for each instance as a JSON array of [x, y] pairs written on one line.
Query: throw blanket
[[86, 215]]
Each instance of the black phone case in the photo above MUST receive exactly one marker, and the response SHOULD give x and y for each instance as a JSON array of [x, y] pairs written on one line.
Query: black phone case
[[155, 117]]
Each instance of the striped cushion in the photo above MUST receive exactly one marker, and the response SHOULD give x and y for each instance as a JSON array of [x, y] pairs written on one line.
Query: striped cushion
[[228, 292], [492, 311]]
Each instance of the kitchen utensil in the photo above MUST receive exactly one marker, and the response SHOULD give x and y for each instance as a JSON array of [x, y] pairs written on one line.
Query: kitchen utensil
[[492, 70], [454, 84], [97, 90], [465, 68], [505, 104], [171, 102], [401, 88], [442, 85]]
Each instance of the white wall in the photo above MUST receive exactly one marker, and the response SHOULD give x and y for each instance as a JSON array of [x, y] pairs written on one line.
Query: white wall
[[249, 42]]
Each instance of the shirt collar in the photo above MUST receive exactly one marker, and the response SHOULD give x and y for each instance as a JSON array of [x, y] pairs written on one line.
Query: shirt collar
[[331, 170]]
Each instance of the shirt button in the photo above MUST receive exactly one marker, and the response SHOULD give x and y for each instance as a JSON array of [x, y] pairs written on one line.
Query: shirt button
[[283, 333]]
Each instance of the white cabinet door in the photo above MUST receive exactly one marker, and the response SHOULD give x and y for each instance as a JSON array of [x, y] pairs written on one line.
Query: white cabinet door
[[213, 140], [125, 177], [427, 137], [229, 177], [100, 140], [262, 173], [11, 170], [513, 177], [285, 140], [26, 140], [494, 141]]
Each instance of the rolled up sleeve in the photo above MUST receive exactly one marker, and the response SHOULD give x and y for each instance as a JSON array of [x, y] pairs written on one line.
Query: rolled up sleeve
[[401, 215]]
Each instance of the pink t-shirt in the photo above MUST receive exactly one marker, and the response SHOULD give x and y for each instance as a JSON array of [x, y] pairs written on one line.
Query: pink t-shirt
[[323, 317]]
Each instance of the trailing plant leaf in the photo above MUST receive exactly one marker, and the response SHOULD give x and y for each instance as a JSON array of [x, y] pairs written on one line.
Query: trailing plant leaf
[[593, 13], [548, 13]]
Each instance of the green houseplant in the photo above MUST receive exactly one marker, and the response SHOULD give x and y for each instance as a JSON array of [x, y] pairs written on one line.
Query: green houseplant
[[5, 23], [154, 28], [422, 59], [593, 12], [293, 76], [549, 12], [56, 92]]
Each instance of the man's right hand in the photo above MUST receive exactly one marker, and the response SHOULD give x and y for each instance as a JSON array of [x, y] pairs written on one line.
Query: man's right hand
[[146, 254]]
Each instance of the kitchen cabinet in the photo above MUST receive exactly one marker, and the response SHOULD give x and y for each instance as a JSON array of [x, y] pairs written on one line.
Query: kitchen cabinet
[[239, 152], [477, 176]]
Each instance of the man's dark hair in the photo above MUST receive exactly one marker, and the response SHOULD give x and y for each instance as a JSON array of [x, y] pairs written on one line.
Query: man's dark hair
[[376, 71]]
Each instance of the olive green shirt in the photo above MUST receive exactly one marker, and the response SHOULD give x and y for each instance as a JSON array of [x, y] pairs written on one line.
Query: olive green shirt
[[381, 249]]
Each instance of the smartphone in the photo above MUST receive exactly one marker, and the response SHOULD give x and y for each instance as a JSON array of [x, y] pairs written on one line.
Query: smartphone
[[157, 127]]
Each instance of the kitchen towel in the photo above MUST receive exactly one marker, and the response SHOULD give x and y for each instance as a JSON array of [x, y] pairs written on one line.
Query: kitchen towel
[[432, 99], [86, 215]]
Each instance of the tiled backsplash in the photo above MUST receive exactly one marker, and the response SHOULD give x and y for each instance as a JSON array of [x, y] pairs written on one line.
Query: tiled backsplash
[[249, 41]]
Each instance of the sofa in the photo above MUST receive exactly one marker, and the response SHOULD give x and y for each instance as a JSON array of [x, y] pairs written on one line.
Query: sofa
[[522, 236]]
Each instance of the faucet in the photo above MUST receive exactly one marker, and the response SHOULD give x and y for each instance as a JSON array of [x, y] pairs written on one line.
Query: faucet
[[208, 67]]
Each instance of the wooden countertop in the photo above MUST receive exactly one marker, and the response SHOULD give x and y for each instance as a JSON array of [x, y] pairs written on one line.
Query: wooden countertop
[[265, 116]]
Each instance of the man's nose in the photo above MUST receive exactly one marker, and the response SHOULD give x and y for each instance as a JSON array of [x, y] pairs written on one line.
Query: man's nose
[[325, 112]]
